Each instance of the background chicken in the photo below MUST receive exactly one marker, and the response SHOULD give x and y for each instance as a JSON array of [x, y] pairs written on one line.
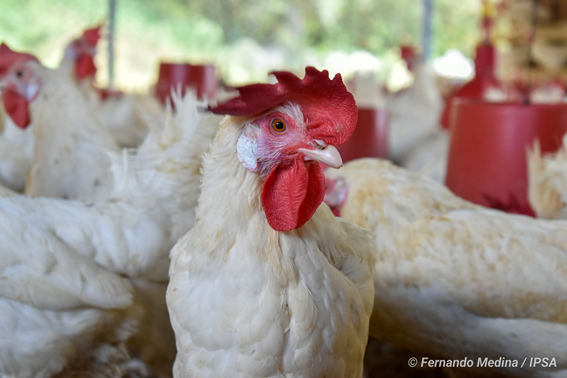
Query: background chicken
[[268, 282], [59, 309], [16, 143], [123, 114], [16, 151], [454, 279], [79, 58], [547, 190], [419, 143], [70, 158], [414, 112], [130, 234]]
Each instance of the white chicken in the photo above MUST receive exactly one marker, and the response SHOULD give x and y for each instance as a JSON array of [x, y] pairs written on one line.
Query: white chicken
[[70, 158], [16, 143], [414, 113], [268, 283], [124, 115], [78, 58], [454, 279], [58, 256], [547, 178], [59, 309]]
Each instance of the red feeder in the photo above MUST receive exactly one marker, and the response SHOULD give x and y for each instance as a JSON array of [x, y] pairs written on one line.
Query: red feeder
[[484, 79], [370, 138], [487, 157], [200, 77]]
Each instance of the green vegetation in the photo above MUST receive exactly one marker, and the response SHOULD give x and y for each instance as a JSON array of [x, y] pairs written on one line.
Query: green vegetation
[[230, 33]]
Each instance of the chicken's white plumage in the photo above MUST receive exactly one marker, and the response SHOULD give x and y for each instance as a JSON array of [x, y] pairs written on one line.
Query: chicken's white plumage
[[248, 301], [16, 152], [429, 158], [547, 177], [456, 280], [62, 261], [57, 306], [70, 153], [414, 113]]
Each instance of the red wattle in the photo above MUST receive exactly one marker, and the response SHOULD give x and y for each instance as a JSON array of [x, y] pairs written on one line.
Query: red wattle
[[17, 107], [85, 67], [292, 193]]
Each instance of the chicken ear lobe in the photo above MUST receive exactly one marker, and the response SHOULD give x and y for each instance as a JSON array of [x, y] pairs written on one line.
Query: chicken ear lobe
[[17, 107], [292, 193]]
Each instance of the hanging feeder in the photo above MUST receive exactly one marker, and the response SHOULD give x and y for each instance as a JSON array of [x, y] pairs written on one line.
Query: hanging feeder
[[487, 156], [202, 78], [480, 86], [484, 83]]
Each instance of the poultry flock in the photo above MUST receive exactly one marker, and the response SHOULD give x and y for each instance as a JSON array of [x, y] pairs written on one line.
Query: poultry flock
[[198, 239]]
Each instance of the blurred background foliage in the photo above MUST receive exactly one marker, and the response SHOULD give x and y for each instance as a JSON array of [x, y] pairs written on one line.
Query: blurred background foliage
[[243, 38]]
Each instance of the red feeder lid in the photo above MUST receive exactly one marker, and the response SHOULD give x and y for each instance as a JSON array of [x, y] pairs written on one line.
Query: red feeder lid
[[487, 156], [370, 137]]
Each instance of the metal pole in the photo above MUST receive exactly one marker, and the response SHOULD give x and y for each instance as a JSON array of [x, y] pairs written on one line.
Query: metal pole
[[531, 42], [426, 28], [111, 26]]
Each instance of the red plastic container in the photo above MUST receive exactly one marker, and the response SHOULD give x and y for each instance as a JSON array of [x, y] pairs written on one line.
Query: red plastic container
[[487, 156], [200, 77], [484, 79], [370, 138]]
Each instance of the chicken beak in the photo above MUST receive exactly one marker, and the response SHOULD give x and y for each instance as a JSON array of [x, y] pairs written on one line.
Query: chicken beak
[[328, 155]]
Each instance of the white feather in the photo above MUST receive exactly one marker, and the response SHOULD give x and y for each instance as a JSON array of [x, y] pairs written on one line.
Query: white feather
[[456, 280]]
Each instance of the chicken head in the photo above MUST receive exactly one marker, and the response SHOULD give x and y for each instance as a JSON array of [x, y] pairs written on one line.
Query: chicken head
[[292, 125], [82, 51], [18, 84]]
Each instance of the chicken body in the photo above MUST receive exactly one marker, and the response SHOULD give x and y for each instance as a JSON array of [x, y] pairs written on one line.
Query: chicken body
[[58, 307], [16, 152], [71, 147], [247, 300], [16, 143], [414, 113], [457, 280], [547, 189], [130, 234]]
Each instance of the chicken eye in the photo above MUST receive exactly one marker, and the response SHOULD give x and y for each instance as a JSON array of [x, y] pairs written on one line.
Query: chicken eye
[[278, 125], [20, 73]]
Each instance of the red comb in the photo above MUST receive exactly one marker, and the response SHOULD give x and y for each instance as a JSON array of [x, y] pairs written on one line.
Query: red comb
[[92, 35], [8, 57], [328, 107], [408, 52]]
